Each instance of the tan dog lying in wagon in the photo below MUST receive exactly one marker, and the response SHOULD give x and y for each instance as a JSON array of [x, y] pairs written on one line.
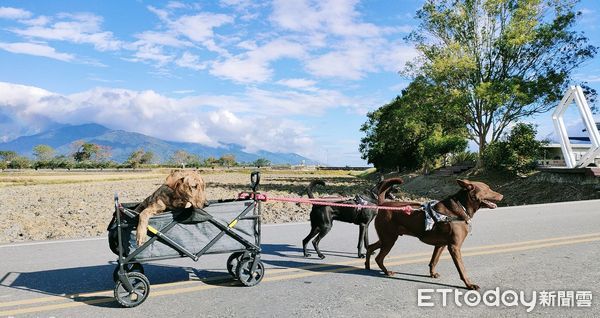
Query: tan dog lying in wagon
[[180, 189]]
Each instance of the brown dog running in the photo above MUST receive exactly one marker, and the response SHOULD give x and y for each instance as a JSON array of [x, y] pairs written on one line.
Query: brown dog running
[[180, 188], [459, 207]]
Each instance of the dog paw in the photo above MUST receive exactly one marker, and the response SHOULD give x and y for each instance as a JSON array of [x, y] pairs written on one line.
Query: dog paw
[[361, 255], [140, 242], [473, 287], [307, 254], [434, 275], [321, 256], [390, 273]]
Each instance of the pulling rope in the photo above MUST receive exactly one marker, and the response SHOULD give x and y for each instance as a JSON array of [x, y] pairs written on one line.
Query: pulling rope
[[327, 202]]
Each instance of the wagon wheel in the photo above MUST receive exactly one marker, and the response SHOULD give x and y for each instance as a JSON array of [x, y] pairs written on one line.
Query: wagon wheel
[[245, 274], [130, 267], [232, 263], [141, 289]]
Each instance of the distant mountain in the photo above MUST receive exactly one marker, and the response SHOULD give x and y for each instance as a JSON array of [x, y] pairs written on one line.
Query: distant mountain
[[123, 143]]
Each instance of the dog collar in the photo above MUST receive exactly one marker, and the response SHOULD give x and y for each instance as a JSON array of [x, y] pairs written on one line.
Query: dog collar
[[466, 213]]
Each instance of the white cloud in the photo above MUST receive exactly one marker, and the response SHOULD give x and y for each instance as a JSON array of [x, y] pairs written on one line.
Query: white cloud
[[184, 91], [13, 13], [199, 27], [156, 115], [160, 38], [340, 44], [39, 21], [152, 54], [298, 83], [335, 17], [36, 49], [191, 61], [76, 28], [354, 59], [254, 65], [589, 78]]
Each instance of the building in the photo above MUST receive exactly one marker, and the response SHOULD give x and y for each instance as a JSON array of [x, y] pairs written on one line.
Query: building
[[553, 155]]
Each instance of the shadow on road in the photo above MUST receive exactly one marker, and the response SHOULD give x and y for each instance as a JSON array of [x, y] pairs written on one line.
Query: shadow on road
[[75, 283], [352, 270], [291, 251]]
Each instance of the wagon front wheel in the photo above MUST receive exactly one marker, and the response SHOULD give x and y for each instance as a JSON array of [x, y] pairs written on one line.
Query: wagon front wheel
[[139, 293], [245, 274]]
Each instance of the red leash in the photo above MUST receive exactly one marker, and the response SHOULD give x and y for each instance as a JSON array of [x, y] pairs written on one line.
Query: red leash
[[327, 202]]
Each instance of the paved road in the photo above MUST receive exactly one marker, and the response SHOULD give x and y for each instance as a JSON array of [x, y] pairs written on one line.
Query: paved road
[[552, 248]]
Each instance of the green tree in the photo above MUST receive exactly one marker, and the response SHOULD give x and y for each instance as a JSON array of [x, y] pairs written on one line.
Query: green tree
[[211, 161], [19, 162], [439, 144], [498, 60], [228, 160], [412, 131], [85, 151], [261, 162], [147, 158], [518, 151], [7, 155], [140, 157], [62, 162], [184, 158], [89, 155], [43, 153]]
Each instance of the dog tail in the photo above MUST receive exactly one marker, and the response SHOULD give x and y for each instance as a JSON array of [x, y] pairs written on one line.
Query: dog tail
[[385, 186], [312, 185]]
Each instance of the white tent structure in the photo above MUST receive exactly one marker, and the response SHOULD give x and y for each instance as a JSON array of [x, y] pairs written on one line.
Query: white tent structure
[[575, 93]]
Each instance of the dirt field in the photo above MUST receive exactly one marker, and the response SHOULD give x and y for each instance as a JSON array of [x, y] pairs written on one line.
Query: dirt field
[[56, 205]]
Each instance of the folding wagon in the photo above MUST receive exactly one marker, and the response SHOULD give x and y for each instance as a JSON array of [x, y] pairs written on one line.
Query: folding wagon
[[223, 226]]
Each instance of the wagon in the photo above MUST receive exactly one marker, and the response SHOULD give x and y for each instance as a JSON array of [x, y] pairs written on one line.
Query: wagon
[[223, 226]]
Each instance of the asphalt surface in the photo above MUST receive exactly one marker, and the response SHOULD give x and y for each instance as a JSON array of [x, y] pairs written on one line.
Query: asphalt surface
[[551, 249]]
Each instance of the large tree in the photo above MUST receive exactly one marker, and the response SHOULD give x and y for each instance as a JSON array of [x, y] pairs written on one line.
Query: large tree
[[413, 130], [498, 60], [140, 157], [90, 152], [43, 153]]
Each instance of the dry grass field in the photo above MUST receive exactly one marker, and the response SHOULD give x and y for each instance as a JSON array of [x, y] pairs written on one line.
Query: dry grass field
[[40, 205]]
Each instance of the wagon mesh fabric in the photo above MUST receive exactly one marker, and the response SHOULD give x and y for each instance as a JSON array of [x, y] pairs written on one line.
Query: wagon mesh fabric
[[193, 236]]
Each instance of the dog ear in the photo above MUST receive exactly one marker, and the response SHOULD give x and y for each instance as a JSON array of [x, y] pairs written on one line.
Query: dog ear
[[466, 184], [172, 182]]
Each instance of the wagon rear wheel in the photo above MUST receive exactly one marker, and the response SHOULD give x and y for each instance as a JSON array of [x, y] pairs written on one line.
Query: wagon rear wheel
[[232, 263], [131, 267], [139, 293], [245, 274]]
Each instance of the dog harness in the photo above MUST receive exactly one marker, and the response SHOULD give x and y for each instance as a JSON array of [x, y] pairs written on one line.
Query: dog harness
[[360, 212], [432, 216]]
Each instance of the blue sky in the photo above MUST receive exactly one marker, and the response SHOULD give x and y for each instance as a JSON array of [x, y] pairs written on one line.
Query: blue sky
[[283, 75]]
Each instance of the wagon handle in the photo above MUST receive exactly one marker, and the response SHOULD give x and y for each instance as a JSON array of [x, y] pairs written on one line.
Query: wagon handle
[[255, 180]]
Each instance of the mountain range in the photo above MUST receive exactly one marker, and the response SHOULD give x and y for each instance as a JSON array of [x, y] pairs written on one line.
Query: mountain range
[[123, 143]]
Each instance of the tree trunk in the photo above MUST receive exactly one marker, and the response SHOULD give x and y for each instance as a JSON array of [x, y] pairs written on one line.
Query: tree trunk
[[482, 145]]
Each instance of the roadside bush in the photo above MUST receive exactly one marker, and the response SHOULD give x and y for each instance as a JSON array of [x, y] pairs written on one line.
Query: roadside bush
[[517, 152], [463, 157], [19, 162]]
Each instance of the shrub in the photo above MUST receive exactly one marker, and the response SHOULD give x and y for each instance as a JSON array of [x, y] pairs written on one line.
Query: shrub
[[517, 152]]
